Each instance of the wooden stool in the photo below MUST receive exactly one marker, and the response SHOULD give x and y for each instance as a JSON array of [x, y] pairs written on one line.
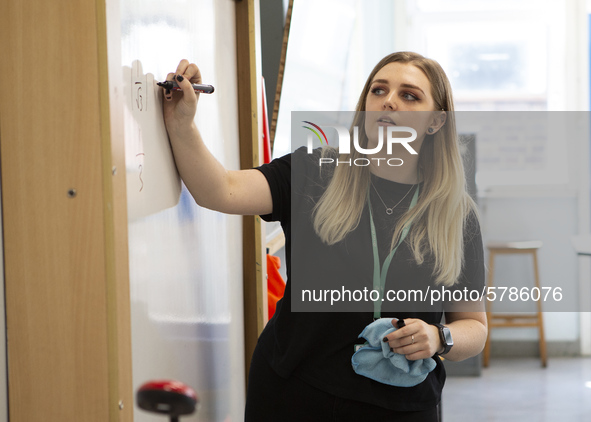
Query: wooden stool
[[514, 320]]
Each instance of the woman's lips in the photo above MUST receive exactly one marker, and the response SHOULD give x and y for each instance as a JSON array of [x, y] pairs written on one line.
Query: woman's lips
[[386, 121]]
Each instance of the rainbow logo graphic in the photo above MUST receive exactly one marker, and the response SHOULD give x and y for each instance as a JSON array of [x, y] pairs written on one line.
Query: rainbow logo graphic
[[315, 132]]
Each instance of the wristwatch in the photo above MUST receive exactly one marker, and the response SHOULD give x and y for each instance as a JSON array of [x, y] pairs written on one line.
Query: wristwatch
[[445, 336]]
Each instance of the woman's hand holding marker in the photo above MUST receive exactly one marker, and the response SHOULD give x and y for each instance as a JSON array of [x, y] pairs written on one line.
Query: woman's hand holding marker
[[180, 110]]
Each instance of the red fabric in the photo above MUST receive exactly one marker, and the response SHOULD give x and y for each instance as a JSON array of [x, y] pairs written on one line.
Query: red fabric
[[266, 134], [275, 283]]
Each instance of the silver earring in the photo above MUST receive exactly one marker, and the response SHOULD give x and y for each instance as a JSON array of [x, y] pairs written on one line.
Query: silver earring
[[430, 130]]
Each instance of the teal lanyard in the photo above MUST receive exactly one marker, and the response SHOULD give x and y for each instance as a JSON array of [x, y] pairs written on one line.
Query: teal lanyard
[[379, 277]]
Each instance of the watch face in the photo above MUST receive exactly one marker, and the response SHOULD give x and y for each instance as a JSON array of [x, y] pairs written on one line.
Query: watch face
[[447, 337]]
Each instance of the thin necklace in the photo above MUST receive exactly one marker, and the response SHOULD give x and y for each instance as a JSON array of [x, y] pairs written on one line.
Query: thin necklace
[[389, 211]]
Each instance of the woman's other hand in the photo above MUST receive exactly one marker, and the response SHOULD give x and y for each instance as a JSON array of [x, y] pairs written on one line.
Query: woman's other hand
[[416, 340]]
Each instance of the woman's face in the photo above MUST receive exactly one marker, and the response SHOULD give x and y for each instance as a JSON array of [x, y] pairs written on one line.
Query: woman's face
[[400, 95]]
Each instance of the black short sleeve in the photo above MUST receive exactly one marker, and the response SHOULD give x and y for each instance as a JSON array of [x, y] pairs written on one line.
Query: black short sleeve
[[473, 270], [472, 279], [278, 175]]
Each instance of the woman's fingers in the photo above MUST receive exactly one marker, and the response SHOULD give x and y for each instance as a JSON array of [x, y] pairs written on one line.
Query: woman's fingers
[[186, 74], [412, 340], [168, 92], [182, 67], [411, 343], [193, 74], [189, 71], [180, 108], [188, 91]]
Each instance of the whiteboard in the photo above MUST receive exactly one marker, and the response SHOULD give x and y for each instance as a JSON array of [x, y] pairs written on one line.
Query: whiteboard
[[153, 183], [185, 261]]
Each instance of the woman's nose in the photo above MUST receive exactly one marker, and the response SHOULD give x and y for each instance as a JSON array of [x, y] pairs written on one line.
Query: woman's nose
[[390, 102]]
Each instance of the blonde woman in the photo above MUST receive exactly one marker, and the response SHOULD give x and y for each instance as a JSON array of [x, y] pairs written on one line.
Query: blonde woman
[[417, 216]]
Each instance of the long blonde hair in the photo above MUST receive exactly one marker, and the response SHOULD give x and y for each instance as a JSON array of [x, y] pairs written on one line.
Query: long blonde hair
[[439, 216]]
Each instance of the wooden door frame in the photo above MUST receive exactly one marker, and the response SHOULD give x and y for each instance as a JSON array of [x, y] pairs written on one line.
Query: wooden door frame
[[249, 113]]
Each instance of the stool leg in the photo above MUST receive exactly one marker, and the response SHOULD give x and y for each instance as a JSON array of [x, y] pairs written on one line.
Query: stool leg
[[491, 270], [540, 318]]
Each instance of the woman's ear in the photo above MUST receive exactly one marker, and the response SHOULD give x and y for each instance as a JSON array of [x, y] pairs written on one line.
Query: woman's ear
[[438, 121]]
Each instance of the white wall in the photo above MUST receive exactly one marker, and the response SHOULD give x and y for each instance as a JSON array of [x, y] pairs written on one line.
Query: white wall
[[553, 220]]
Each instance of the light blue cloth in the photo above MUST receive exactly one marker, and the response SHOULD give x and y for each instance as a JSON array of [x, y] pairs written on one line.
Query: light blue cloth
[[375, 360]]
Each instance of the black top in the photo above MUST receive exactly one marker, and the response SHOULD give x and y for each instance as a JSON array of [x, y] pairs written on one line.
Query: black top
[[317, 346]]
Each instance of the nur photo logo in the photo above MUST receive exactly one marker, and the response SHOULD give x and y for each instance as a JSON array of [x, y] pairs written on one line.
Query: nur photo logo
[[344, 143]]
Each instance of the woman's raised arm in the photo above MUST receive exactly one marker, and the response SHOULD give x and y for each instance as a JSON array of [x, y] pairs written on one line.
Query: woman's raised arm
[[243, 192]]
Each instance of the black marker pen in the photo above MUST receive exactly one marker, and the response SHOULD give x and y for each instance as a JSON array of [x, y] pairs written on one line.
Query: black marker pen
[[172, 85]]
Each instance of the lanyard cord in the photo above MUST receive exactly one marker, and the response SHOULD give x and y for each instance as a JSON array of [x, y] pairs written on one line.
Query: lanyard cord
[[379, 276]]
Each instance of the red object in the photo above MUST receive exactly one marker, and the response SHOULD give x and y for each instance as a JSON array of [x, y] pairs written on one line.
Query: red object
[[266, 134], [275, 283], [170, 385], [167, 397]]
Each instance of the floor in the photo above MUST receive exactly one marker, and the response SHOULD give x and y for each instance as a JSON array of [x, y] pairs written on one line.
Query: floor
[[521, 390]]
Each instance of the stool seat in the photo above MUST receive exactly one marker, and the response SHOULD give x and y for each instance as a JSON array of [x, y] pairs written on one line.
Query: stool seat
[[515, 320], [528, 244]]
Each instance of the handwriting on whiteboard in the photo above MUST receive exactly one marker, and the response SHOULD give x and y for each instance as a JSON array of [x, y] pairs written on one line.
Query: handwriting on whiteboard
[[139, 87], [153, 183], [141, 166]]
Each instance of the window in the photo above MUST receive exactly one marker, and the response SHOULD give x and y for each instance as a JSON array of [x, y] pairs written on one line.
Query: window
[[501, 56]]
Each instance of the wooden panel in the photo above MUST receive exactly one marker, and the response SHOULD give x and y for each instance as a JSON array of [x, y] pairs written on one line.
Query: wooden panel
[[121, 395], [282, 60], [3, 372], [59, 248], [255, 286]]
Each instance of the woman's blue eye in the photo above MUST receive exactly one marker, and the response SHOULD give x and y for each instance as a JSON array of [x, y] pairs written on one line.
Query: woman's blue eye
[[377, 91], [409, 97]]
